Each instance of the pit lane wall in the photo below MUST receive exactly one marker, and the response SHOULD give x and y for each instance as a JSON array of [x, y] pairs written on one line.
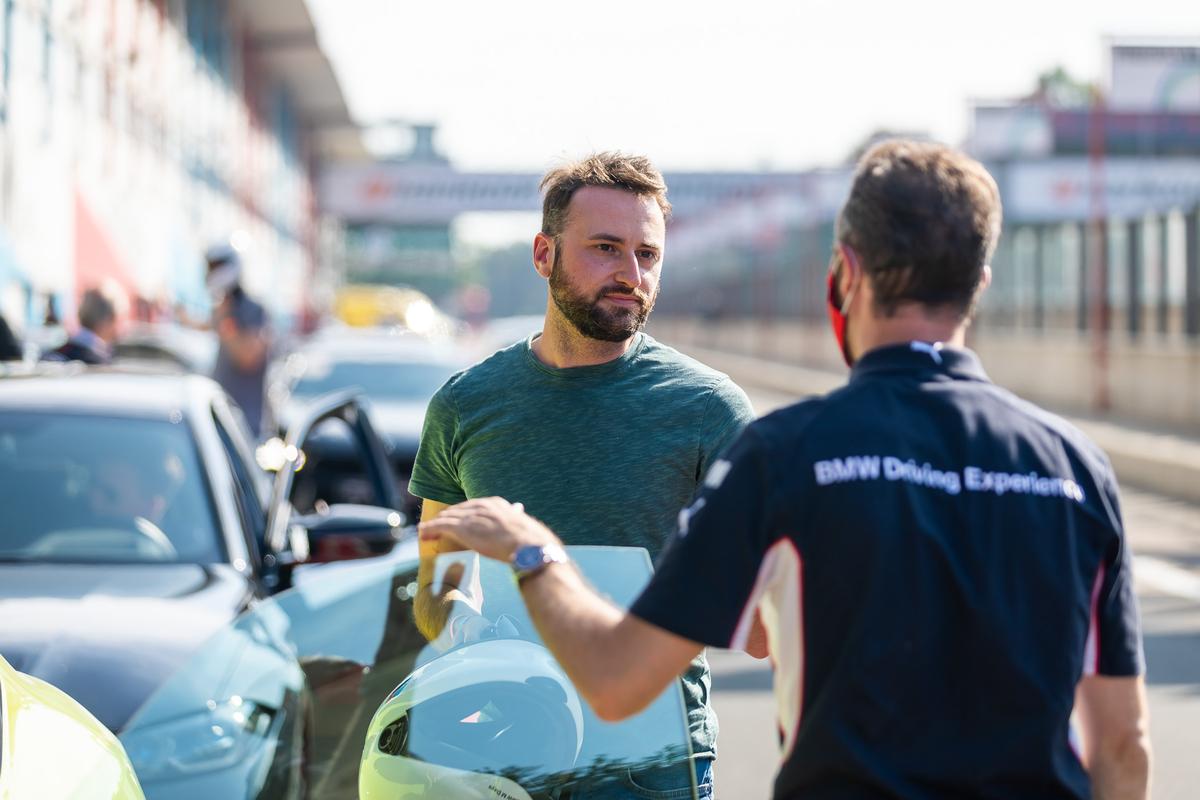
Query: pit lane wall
[[1152, 383]]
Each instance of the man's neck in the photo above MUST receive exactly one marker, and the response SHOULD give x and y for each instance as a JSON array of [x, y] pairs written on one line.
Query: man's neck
[[561, 345], [911, 323]]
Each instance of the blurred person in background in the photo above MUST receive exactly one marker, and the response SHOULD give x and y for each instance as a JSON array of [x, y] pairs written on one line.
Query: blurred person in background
[[124, 490], [244, 334], [10, 346], [92, 343], [941, 567], [593, 425]]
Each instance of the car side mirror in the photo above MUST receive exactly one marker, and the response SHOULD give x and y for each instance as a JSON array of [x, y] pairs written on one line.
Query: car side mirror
[[345, 531]]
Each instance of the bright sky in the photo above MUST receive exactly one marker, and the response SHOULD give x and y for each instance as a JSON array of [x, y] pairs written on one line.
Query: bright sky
[[702, 85]]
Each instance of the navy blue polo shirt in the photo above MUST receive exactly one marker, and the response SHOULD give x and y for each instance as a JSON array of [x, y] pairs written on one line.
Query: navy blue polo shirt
[[936, 562]]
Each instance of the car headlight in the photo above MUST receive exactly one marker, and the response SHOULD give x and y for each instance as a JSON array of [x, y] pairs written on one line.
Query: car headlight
[[222, 735]]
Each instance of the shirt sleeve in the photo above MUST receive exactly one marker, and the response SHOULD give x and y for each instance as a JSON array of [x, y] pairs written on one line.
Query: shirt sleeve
[[1115, 637], [435, 471], [727, 414], [704, 588]]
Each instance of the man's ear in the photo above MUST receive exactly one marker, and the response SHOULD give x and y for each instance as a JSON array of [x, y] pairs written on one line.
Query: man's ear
[[985, 280], [543, 255], [850, 274]]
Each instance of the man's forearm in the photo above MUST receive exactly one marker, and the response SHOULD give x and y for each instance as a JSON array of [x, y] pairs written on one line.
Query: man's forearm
[[249, 350], [1122, 773], [432, 609], [1115, 729], [619, 662], [430, 612], [577, 625]]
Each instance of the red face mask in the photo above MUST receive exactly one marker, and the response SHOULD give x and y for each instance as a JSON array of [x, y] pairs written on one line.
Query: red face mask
[[837, 317]]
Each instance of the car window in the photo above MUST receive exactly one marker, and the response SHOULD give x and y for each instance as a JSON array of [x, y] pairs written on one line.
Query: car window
[[141, 351], [339, 679], [89, 488], [335, 469]]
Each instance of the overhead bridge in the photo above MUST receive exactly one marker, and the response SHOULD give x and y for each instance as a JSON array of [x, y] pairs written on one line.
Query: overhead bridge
[[408, 193]]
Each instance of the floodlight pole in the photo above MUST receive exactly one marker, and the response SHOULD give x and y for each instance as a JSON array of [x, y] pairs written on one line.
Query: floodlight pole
[[1099, 306]]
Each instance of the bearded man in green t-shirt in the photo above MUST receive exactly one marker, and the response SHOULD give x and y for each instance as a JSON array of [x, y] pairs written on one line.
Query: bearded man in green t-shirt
[[600, 431]]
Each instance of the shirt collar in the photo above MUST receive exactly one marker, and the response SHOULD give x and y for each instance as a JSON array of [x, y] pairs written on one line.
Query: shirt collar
[[916, 356], [89, 339], [590, 371]]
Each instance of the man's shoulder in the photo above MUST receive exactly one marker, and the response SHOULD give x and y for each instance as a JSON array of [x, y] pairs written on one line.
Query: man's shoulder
[[785, 427], [75, 350], [486, 375], [1033, 418], [658, 356]]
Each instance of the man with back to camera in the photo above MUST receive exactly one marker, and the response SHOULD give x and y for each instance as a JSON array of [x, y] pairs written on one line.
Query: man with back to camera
[[92, 343], [593, 425], [940, 566], [242, 332]]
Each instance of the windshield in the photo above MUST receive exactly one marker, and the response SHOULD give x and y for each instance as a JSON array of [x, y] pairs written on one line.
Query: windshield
[[83, 488], [380, 380], [483, 711]]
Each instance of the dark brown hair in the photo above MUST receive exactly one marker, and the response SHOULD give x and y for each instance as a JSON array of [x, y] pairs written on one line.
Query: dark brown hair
[[632, 173], [96, 308], [924, 219]]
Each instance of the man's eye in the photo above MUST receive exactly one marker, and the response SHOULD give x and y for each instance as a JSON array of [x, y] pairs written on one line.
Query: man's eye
[[604, 247], [649, 255]]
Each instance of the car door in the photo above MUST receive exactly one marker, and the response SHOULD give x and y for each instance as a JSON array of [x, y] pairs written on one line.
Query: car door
[[289, 460]]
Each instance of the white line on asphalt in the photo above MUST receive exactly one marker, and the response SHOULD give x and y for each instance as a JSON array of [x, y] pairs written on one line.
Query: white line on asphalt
[[1167, 578]]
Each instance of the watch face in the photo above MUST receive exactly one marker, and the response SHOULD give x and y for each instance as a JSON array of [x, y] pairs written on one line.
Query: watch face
[[527, 557]]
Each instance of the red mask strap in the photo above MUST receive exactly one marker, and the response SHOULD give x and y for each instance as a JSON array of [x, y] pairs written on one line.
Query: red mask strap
[[837, 316]]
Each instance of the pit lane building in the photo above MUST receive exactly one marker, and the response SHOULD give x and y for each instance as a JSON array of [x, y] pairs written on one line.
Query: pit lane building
[[133, 133]]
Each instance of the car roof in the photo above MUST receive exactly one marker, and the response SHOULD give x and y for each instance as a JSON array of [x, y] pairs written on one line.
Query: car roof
[[383, 347], [105, 391]]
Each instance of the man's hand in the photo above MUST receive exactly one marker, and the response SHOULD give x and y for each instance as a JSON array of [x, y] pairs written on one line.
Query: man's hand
[[491, 526]]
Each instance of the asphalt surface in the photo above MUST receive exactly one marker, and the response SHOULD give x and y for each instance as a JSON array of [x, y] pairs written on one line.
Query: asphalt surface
[[1165, 534]]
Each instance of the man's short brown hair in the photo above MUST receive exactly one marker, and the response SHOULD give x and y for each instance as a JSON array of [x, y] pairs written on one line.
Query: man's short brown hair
[[631, 173], [96, 308], [924, 219]]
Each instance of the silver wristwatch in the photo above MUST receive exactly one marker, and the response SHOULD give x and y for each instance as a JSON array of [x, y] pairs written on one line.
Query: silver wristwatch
[[531, 559]]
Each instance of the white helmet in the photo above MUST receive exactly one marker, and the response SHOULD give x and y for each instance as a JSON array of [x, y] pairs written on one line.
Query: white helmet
[[452, 726], [224, 268]]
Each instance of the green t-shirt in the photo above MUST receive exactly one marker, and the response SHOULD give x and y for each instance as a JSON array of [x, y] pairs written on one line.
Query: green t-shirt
[[603, 455]]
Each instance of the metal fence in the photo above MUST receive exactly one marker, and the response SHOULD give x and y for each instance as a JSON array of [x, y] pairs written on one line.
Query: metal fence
[[1131, 277]]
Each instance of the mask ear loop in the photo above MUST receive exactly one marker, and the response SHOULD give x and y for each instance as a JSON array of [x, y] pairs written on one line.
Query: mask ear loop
[[849, 299], [847, 262]]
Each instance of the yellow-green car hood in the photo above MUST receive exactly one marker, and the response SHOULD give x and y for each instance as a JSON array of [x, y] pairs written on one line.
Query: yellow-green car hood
[[52, 749]]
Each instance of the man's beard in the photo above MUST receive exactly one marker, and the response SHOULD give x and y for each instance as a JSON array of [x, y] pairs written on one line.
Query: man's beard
[[589, 317]]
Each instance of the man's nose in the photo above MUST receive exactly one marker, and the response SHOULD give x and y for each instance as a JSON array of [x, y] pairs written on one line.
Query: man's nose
[[630, 271]]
